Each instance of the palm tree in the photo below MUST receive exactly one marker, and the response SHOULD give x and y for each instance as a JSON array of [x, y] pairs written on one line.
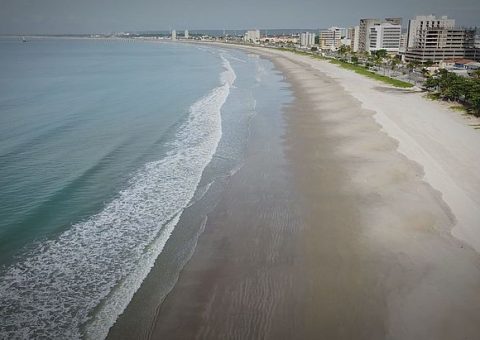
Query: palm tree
[[392, 62], [412, 65]]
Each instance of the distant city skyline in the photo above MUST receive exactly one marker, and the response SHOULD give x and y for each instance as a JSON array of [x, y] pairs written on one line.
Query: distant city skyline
[[104, 16]]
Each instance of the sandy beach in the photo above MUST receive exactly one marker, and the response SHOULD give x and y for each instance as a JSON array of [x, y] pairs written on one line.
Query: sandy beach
[[355, 216]]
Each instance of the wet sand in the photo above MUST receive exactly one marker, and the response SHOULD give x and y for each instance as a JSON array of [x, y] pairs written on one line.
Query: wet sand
[[326, 232]]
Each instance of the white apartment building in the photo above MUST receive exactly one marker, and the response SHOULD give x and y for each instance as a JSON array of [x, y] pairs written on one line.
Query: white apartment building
[[307, 39], [252, 36], [384, 36], [174, 35], [350, 33], [365, 29], [186, 34], [330, 39], [424, 22], [354, 35]]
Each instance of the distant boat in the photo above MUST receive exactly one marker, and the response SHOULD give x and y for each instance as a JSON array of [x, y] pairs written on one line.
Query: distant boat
[[24, 40]]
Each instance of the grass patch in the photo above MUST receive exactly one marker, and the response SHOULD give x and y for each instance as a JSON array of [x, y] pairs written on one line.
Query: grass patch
[[356, 68], [304, 53], [463, 109], [433, 95], [459, 108], [365, 72]]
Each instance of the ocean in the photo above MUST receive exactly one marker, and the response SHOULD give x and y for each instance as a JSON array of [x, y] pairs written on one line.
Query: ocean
[[112, 154]]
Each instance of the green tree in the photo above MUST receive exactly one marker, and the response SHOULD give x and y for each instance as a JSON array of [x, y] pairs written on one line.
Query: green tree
[[343, 50], [393, 63], [472, 95], [451, 86], [425, 72], [432, 83], [428, 63], [380, 54], [412, 65]]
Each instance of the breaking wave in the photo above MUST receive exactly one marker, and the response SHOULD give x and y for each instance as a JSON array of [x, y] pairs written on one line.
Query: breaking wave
[[79, 283]]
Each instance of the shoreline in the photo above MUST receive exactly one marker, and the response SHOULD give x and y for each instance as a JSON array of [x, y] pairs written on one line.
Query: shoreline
[[362, 247], [439, 166], [440, 149]]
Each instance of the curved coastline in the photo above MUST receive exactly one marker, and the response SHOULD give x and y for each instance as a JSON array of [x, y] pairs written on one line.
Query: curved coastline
[[428, 133], [228, 159], [355, 214], [363, 246], [76, 285]]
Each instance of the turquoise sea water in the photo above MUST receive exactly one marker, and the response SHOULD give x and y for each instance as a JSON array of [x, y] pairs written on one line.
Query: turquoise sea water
[[103, 145], [77, 118]]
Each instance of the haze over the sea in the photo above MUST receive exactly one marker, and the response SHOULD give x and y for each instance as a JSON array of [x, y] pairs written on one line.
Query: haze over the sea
[[91, 16]]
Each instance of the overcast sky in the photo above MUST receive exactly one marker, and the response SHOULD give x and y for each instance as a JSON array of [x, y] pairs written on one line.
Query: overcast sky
[[103, 16]]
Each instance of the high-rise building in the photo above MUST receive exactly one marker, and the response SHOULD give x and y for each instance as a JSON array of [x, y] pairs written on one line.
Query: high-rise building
[[330, 39], [437, 44], [403, 42], [364, 30], [354, 38], [307, 39], [364, 26], [423, 22], [174, 35], [252, 36], [350, 33], [384, 36], [432, 38], [186, 34]]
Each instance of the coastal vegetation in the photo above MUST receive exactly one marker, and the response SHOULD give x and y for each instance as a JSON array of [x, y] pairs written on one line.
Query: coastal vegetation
[[449, 86], [442, 85], [366, 72], [353, 64]]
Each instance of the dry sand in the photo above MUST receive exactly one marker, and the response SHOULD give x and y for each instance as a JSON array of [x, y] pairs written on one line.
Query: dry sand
[[335, 230], [439, 140]]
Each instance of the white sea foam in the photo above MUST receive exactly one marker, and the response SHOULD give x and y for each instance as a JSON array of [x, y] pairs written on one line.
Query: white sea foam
[[260, 70], [231, 57], [53, 291]]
